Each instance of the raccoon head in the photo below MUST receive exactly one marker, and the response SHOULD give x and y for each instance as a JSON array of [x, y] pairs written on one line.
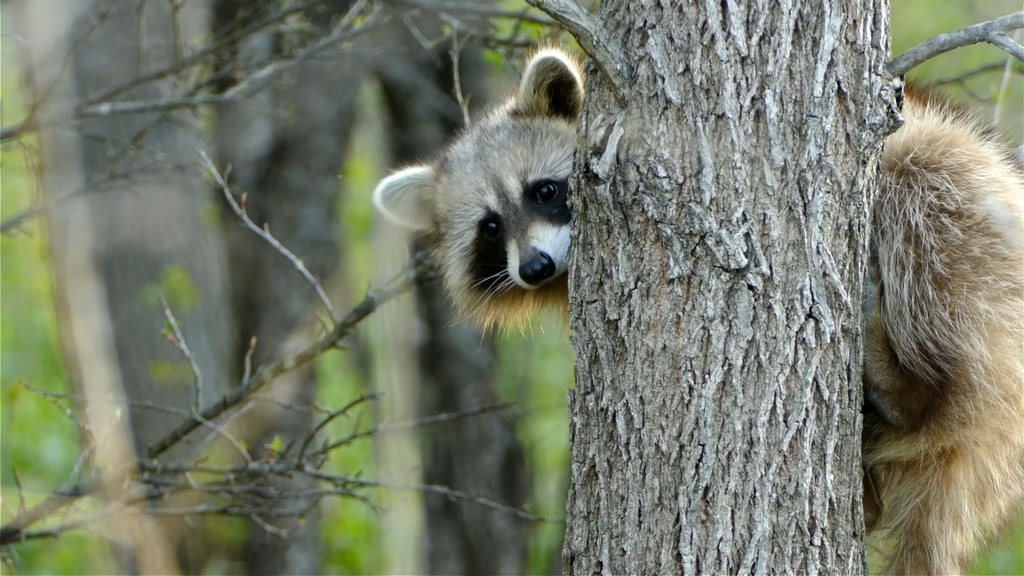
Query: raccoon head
[[493, 205]]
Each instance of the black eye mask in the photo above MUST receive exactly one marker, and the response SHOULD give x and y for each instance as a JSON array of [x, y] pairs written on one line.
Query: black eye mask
[[490, 258], [547, 200]]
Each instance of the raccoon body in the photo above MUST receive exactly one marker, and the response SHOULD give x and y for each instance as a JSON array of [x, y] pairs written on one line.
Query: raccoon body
[[943, 443]]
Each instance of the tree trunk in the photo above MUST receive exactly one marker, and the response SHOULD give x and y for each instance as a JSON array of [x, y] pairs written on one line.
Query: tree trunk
[[126, 229], [716, 420], [285, 146], [479, 455]]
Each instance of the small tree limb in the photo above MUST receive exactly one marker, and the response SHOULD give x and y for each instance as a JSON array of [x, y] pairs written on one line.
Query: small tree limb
[[992, 32], [265, 234], [373, 299]]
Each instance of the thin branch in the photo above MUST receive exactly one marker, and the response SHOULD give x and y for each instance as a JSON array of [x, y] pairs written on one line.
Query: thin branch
[[329, 418], [992, 32], [154, 480], [201, 57], [999, 65], [435, 489], [454, 52], [417, 423], [265, 234], [177, 339], [15, 530], [478, 9], [592, 38], [255, 81], [1009, 45], [373, 299], [250, 85]]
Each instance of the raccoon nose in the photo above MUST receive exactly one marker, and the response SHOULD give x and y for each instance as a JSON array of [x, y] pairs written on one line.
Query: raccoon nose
[[537, 269]]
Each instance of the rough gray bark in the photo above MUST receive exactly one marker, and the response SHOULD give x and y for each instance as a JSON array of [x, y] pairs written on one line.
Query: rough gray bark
[[716, 279], [479, 455], [285, 146]]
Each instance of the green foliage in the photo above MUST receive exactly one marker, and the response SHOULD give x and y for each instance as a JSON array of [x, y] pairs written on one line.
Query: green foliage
[[38, 440], [176, 285]]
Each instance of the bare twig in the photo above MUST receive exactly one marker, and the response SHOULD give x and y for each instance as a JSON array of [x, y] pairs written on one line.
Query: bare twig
[[960, 78], [373, 299], [992, 32], [265, 234], [417, 423], [592, 38], [253, 82], [329, 418], [482, 9], [15, 530], [107, 183], [241, 486], [454, 52], [177, 339], [435, 489]]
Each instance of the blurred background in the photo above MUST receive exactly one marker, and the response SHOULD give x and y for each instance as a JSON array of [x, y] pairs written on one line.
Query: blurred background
[[438, 448]]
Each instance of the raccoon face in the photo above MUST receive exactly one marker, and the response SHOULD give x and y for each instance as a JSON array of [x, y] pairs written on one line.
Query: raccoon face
[[494, 205]]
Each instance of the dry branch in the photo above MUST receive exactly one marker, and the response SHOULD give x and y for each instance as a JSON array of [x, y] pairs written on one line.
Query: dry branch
[[992, 32], [265, 234], [373, 299]]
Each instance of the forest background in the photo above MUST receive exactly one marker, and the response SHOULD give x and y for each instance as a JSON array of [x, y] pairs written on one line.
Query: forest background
[[39, 443]]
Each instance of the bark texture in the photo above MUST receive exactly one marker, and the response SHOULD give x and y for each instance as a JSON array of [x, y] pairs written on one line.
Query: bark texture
[[716, 276]]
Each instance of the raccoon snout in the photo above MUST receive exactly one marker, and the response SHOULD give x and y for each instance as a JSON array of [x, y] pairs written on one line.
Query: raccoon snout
[[537, 269]]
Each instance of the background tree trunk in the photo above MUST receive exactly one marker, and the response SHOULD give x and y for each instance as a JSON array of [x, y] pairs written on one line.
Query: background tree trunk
[[285, 147], [479, 455], [716, 420], [127, 230]]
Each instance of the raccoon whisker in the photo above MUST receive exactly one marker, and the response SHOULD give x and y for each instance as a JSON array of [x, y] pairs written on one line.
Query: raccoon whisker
[[484, 298], [480, 282], [480, 302]]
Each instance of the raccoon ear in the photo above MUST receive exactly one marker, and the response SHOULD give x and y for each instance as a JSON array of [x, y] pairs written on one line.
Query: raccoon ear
[[551, 86], [404, 197]]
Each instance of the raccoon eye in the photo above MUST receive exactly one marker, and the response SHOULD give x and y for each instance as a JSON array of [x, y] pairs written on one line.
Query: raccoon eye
[[490, 228], [545, 191]]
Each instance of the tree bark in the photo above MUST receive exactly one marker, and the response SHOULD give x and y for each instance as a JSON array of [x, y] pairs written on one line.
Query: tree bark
[[716, 283]]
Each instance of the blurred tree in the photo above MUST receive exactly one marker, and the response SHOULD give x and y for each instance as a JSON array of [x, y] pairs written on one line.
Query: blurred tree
[[479, 455], [144, 230], [285, 146], [128, 227]]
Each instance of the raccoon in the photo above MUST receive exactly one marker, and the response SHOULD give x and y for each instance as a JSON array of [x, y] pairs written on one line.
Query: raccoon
[[943, 440], [943, 444], [493, 206]]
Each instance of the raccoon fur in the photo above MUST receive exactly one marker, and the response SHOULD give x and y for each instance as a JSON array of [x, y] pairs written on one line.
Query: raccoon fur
[[943, 443]]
